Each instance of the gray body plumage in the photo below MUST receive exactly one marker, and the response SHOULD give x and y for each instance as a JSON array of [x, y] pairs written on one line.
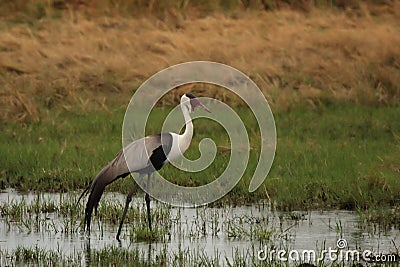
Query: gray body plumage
[[144, 156]]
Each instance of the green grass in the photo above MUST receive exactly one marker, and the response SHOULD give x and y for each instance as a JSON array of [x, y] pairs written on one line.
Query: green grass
[[339, 156], [342, 156]]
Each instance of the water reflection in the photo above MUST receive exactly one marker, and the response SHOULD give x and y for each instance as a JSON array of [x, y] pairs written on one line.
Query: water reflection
[[221, 233], [87, 252]]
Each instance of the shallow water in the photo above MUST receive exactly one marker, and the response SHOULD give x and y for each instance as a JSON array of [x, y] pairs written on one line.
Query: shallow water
[[228, 232]]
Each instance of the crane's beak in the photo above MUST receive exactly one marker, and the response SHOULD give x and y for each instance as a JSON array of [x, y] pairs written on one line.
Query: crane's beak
[[196, 103]]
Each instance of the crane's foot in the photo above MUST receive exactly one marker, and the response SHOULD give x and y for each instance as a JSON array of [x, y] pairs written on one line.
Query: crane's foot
[[128, 200]]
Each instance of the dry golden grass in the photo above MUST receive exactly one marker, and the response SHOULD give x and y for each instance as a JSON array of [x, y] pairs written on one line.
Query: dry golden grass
[[294, 57]]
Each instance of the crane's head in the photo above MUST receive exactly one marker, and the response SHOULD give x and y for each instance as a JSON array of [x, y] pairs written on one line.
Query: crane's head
[[191, 102]]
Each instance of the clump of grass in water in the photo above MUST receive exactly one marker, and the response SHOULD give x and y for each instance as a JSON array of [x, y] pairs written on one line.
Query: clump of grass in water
[[144, 234], [13, 210], [35, 256], [32, 215], [378, 220], [109, 255]]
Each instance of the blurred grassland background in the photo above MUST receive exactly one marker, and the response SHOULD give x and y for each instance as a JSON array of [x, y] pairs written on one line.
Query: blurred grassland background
[[329, 69], [93, 54]]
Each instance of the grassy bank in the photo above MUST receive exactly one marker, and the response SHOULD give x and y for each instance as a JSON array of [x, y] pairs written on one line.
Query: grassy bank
[[330, 70], [339, 156]]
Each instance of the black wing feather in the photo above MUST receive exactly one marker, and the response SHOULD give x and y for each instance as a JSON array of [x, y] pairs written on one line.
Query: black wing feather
[[114, 170], [158, 157]]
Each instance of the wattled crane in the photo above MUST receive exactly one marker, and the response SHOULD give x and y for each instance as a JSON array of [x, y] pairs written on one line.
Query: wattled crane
[[145, 156]]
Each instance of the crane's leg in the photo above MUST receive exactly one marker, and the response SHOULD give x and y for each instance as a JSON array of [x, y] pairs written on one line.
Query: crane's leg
[[147, 198], [128, 200]]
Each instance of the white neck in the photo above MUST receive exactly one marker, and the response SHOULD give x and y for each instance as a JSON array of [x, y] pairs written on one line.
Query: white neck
[[186, 137]]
